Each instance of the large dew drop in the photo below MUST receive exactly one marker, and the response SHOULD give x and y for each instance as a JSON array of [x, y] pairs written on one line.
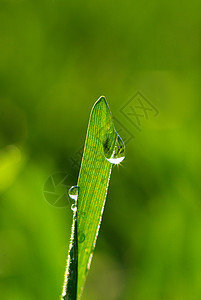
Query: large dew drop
[[118, 153], [73, 192]]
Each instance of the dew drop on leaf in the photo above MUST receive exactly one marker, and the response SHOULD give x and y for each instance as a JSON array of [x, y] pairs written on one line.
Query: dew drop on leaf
[[118, 153], [74, 207], [73, 192]]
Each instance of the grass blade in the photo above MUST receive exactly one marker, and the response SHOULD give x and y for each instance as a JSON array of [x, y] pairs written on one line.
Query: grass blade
[[101, 145]]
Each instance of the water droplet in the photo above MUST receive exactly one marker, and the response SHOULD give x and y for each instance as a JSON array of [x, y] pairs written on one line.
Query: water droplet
[[73, 192], [81, 237], [74, 207], [118, 153]]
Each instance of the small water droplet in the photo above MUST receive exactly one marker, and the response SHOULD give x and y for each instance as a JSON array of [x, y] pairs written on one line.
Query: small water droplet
[[74, 207], [81, 237], [73, 192], [118, 153]]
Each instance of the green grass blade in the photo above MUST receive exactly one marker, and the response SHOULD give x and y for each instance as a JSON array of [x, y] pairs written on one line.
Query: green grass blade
[[93, 184]]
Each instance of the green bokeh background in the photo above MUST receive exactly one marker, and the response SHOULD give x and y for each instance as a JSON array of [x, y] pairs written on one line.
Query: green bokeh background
[[56, 58]]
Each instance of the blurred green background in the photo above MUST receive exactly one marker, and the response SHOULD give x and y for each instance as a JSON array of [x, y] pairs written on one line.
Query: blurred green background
[[56, 58]]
